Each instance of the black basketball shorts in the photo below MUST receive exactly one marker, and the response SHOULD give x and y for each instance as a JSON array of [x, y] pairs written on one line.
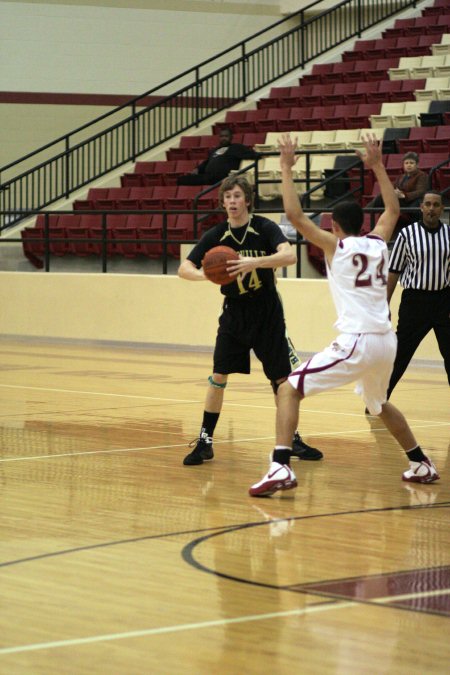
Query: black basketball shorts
[[254, 322]]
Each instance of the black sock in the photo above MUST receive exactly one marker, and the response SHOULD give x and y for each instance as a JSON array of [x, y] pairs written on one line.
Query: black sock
[[416, 455], [209, 422], [282, 456]]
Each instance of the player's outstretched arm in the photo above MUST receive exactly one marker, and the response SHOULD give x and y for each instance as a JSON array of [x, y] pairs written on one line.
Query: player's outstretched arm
[[373, 160], [292, 206]]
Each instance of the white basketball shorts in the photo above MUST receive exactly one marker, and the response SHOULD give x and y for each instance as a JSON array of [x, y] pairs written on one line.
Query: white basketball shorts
[[366, 359]]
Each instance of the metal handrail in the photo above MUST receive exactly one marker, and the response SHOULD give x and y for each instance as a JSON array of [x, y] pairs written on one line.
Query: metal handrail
[[433, 172]]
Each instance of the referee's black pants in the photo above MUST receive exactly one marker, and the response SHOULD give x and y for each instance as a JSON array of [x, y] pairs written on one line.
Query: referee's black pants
[[420, 312]]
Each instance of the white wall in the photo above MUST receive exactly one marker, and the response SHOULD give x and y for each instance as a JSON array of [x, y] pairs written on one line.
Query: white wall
[[156, 309], [128, 49], [118, 47]]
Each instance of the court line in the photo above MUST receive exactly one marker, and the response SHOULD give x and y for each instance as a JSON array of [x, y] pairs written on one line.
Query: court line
[[322, 411], [98, 393], [412, 596], [181, 400], [323, 607], [90, 452], [253, 439]]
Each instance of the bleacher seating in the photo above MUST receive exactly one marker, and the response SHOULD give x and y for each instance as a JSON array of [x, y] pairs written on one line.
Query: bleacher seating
[[396, 86]]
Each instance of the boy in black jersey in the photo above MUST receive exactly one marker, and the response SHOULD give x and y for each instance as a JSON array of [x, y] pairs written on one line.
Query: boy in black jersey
[[252, 316]]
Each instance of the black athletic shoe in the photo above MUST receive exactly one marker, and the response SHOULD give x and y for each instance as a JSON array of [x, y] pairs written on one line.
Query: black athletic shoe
[[303, 451], [203, 451]]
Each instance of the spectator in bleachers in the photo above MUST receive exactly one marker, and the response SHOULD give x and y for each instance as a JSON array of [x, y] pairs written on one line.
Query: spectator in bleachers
[[410, 186], [220, 161]]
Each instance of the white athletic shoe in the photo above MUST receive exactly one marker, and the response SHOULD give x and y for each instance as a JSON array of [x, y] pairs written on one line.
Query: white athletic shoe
[[279, 477], [421, 472]]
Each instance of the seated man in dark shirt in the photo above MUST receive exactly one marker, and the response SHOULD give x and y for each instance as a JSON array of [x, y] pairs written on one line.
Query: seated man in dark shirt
[[221, 160]]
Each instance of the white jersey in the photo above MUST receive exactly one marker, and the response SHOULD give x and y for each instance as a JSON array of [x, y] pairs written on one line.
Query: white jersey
[[358, 280]]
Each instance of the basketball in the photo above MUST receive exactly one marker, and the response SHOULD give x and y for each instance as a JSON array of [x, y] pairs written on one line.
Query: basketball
[[215, 264]]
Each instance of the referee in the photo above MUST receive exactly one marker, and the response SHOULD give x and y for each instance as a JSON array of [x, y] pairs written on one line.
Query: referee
[[421, 259]]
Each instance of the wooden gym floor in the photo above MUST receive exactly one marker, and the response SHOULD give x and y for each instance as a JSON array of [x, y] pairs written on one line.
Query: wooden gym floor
[[115, 558]]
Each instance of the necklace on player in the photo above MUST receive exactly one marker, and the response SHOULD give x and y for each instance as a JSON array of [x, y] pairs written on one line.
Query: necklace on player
[[230, 232]]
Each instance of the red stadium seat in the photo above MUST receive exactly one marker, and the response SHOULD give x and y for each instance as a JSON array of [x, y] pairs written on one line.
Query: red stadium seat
[[147, 244], [417, 135], [330, 118], [443, 178], [271, 122], [322, 68], [109, 203], [138, 220], [394, 165], [114, 220], [125, 241], [182, 152], [69, 220], [343, 67], [163, 169], [161, 195], [278, 92], [93, 195], [185, 195], [185, 221], [298, 114], [91, 220], [388, 86], [33, 245], [96, 241], [144, 167], [146, 228], [131, 180], [362, 118], [254, 139], [428, 160], [437, 143], [175, 233], [58, 244], [50, 220], [137, 194], [252, 119], [359, 50], [391, 47], [78, 240], [151, 179]]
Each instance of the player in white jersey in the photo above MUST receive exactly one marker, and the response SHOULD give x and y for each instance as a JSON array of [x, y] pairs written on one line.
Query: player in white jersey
[[364, 352]]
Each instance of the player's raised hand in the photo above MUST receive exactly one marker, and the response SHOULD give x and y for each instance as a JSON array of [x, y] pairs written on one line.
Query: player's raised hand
[[372, 155], [287, 148]]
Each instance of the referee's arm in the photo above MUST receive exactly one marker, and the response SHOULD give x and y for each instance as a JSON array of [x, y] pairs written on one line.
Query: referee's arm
[[391, 284]]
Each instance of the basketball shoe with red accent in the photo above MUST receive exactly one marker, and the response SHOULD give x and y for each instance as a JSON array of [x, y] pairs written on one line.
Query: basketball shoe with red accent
[[421, 472], [279, 477]]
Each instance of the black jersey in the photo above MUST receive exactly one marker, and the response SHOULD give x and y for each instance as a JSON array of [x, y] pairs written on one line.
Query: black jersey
[[259, 237]]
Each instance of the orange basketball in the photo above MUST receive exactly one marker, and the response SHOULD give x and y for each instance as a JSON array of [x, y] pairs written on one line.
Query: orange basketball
[[215, 264]]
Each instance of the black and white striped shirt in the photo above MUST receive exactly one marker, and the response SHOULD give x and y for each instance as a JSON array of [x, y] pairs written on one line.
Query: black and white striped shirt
[[422, 257]]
